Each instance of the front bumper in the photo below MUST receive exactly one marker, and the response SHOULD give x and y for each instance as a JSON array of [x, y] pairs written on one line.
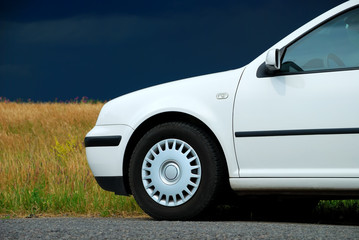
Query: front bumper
[[112, 184], [105, 149]]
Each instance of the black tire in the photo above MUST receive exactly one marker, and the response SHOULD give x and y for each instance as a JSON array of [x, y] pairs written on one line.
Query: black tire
[[173, 174]]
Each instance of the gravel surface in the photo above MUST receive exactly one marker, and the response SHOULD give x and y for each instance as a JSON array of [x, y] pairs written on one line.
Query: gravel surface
[[118, 228]]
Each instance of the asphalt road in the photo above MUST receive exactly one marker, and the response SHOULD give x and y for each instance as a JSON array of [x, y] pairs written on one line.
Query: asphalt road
[[119, 228]]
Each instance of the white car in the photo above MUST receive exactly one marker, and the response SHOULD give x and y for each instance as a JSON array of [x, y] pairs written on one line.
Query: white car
[[287, 123]]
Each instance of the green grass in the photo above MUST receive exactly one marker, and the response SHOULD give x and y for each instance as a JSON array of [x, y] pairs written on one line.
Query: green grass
[[338, 211]]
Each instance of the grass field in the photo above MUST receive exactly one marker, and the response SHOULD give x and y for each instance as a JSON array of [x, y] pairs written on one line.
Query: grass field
[[43, 162], [44, 171]]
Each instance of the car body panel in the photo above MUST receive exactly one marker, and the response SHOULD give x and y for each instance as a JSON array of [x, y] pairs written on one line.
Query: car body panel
[[106, 161], [305, 101], [298, 102], [240, 101], [296, 186], [185, 96]]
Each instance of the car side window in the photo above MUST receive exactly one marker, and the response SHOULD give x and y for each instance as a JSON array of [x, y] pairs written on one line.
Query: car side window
[[334, 45]]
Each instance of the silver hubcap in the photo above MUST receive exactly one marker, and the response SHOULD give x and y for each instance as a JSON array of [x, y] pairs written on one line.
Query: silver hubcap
[[171, 172]]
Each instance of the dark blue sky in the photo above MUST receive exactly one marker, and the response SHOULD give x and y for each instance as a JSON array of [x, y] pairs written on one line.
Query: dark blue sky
[[104, 49]]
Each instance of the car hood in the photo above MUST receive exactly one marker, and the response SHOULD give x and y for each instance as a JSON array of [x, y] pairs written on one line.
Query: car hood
[[192, 95]]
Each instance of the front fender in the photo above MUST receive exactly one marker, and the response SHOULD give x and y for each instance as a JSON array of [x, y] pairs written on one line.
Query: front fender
[[209, 98]]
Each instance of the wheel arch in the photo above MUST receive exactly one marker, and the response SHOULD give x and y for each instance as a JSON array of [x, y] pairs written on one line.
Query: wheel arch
[[154, 121]]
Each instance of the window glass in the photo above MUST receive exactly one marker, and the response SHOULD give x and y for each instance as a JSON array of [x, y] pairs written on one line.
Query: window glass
[[334, 45]]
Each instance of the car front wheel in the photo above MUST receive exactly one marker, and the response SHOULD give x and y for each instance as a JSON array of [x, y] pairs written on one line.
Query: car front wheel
[[176, 171]]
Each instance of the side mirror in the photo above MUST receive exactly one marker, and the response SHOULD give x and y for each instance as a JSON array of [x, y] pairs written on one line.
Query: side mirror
[[273, 60]]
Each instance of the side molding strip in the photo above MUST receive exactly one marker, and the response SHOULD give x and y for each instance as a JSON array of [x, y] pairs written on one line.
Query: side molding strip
[[275, 133], [102, 141]]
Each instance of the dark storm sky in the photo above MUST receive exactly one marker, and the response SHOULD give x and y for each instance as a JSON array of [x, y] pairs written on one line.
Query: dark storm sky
[[104, 49]]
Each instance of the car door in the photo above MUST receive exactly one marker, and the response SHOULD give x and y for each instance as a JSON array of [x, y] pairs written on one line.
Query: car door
[[302, 121]]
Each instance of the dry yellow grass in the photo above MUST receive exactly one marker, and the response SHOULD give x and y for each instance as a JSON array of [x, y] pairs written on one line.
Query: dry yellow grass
[[43, 165]]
